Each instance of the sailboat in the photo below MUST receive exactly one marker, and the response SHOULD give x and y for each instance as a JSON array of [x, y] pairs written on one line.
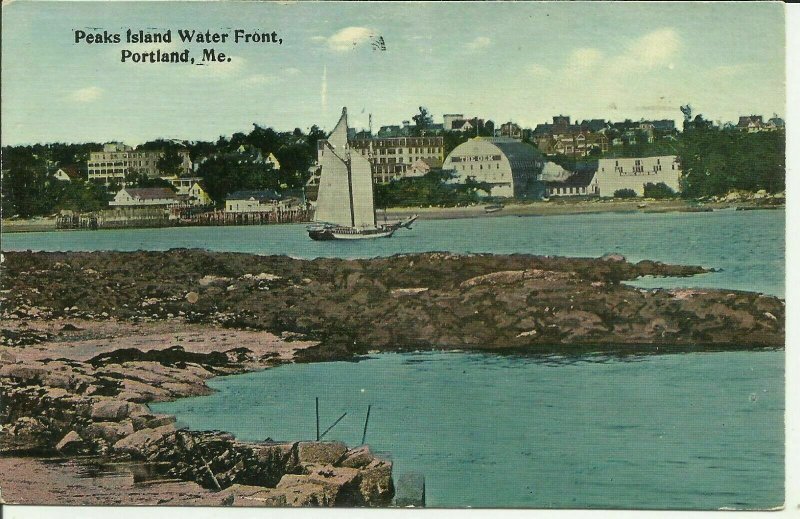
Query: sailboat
[[346, 198]]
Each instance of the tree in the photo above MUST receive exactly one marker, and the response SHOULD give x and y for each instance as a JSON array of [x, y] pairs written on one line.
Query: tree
[[225, 174], [658, 191], [170, 163], [422, 121]]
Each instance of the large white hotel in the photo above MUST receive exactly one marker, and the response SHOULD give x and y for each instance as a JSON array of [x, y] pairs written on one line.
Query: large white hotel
[[117, 160]]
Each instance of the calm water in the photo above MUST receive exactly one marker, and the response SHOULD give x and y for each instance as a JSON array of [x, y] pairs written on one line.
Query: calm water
[[669, 431], [747, 245], [672, 431]]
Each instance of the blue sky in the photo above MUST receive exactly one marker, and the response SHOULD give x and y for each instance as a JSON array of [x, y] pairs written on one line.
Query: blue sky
[[502, 61]]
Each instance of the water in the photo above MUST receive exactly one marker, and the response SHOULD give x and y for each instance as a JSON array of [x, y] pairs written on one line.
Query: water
[[747, 245], [672, 431], [698, 430]]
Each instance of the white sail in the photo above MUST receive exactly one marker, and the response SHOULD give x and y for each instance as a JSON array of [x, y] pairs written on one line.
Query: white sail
[[333, 197], [338, 137], [345, 195], [362, 188]]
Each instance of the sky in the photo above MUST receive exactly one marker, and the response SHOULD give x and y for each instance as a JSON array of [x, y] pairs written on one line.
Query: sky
[[523, 62]]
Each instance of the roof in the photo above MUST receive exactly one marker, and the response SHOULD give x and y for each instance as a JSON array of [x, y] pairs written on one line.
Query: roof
[[150, 193], [71, 170], [263, 195], [578, 179]]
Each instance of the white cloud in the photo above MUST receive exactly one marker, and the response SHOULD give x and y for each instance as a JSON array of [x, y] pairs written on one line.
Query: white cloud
[[481, 42], [655, 48], [87, 95], [349, 37]]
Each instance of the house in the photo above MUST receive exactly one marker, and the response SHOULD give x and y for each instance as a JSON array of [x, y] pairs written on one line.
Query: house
[[422, 167], [510, 129], [190, 190], [145, 196], [67, 173], [508, 167], [254, 202], [574, 140], [634, 173], [750, 123], [580, 183]]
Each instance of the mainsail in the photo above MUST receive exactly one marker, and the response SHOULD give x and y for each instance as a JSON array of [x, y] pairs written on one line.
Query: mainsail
[[345, 195]]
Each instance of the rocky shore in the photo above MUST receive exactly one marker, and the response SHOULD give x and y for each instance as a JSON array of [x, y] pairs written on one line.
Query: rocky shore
[[88, 339]]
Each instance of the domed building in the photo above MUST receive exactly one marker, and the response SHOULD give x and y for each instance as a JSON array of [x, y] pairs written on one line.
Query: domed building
[[510, 168]]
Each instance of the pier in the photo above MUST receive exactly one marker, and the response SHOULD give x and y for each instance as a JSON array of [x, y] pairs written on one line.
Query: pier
[[120, 218]]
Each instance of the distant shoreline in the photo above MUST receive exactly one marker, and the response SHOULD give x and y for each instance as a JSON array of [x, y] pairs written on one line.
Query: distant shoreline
[[550, 208]]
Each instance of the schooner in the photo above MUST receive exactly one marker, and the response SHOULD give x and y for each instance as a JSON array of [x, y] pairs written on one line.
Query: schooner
[[346, 198]]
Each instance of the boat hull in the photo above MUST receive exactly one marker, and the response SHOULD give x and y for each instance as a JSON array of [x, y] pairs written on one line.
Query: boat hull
[[328, 234]]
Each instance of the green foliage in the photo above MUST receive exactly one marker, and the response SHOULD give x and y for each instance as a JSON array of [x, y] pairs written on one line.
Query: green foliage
[[624, 193], [716, 161], [226, 174], [170, 163], [658, 191], [428, 190], [141, 180], [29, 189], [422, 121], [453, 139]]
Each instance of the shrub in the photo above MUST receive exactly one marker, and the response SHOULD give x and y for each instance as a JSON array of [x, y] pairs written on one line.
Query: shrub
[[660, 190], [624, 193]]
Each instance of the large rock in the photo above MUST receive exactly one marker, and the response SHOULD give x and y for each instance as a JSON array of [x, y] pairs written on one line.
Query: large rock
[[321, 453], [71, 443], [298, 490], [109, 431], [377, 487], [137, 443], [410, 490], [111, 410], [357, 458]]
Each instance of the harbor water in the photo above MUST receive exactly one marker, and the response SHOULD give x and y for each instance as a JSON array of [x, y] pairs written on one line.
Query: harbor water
[[693, 430]]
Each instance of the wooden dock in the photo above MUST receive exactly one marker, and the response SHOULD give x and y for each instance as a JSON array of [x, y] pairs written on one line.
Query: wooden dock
[[133, 218]]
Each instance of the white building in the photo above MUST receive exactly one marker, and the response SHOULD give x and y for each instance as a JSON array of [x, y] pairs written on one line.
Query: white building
[[117, 160], [449, 119], [190, 190], [255, 202], [511, 168], [580, 183], [144, 196], [634, 173]]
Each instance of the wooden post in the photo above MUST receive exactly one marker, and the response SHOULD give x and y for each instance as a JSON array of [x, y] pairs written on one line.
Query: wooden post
[[366, 422], [317, 418]]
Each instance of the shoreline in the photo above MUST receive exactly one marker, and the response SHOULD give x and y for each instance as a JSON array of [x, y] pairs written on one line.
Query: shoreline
[[554, 207], [122, 441], [88, 339]]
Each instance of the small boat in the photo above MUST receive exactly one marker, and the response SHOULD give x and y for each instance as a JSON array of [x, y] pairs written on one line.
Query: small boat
[[493, 208], [346, 198]]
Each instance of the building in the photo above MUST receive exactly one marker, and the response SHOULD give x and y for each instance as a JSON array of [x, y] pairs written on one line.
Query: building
[[67, 173], [449, 119], [145, 196], [580, 183], [573, 140], [392, 157], [634, 173], [755, 123], [256, 202], [510, 129], [509, 167], [190, 190], [117, 160]]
